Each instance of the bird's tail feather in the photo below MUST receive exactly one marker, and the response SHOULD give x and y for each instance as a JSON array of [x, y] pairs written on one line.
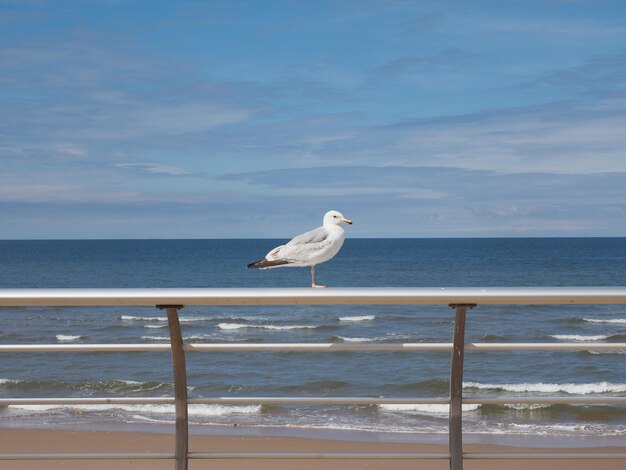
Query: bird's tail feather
[[265, 263]]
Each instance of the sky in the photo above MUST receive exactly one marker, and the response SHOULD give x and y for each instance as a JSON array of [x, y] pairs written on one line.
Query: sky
[[237, 119]]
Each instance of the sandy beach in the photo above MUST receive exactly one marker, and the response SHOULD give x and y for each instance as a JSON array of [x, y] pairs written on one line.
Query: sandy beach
[[37, 440]]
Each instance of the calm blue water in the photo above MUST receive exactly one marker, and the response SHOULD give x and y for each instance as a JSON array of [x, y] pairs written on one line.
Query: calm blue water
[[362, 262]]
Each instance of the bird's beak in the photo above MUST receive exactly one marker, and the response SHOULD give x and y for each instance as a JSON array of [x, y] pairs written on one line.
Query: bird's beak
[[346, 221]]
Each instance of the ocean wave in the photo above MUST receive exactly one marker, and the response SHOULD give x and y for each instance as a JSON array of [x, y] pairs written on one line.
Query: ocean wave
[[560, 410], [540, 429], [483, 428], [431, 386], [579, 337], [318, 386], [186, 338], [114, 386], [346, 339], [155, 338], [621, 321], [154, 326], [69, 337], [238, 326], [569, 388], [164, 319], [526, 406], [493, 338], [358, 318], [435, 409], [198, 337], [195, 319], [194, 410], [134, 318], [394, 338], [597, 353]]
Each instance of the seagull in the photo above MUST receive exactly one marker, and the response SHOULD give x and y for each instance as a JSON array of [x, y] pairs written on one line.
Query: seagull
[[310, 248]]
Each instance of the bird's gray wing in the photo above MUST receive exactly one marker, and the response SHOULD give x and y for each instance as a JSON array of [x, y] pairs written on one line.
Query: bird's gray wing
[[301, 249], [316, 235]]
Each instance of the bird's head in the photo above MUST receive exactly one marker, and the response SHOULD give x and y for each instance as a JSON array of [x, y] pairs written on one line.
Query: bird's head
[[335, 218]]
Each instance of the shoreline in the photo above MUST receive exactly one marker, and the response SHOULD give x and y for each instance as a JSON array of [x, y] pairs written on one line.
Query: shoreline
[[18, 440], [338, 435]]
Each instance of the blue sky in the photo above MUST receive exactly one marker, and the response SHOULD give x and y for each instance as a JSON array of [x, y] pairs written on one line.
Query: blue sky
[[218, 119]]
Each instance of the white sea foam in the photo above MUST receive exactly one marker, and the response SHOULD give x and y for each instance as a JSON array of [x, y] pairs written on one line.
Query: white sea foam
[[164, 319], [155, 326], [134, 318], [194, 410], [245, 318], [606, 320], [195, 319], [424, 408], [186, 338], [128, 382], [358, 318], [112, 384], [238, 326], [354, 340], [221, 410], [491, 428], [579, 337], [386, 428], [231, 326], [545, 430], [570, 388], [197, 337], [619, 351], [526, 406], [152, 420], [68, 337]]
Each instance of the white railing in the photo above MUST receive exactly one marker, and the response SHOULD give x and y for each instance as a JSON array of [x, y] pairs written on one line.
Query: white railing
[[172, 300]]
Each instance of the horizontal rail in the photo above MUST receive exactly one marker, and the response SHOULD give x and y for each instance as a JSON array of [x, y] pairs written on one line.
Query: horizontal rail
[[138, 347], [578, 346], [514, 400], [295, 296], [317, 401], [319, 455], [228, 401], [319, 347], [311, 455], [225, 455], [88, 401], [88, 456], [402, 455], [84, 347], [510, 400], [543, 455]]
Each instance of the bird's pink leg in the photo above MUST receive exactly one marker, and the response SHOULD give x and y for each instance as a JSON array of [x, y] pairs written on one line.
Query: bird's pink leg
[[313, 285]]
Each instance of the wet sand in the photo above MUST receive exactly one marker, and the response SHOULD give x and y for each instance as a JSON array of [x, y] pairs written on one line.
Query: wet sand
[[38, 440]]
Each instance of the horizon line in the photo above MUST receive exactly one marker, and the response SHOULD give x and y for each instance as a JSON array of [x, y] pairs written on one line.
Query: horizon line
[[287, 238]]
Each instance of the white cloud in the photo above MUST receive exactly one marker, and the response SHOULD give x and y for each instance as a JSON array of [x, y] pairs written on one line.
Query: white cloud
[[559, 138], [154, 168]]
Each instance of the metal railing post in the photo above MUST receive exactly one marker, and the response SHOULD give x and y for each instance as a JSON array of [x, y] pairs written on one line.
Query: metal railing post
[[180, 386], [456, 387]]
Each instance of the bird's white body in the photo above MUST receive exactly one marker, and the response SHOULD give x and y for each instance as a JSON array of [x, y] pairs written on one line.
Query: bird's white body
[[303, 250], [310, 248]]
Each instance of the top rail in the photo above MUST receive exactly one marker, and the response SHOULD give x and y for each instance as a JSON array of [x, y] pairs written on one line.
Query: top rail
[[307, 296]]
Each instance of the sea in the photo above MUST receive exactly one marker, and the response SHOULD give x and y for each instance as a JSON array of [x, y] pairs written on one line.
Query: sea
[[360, 263]]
